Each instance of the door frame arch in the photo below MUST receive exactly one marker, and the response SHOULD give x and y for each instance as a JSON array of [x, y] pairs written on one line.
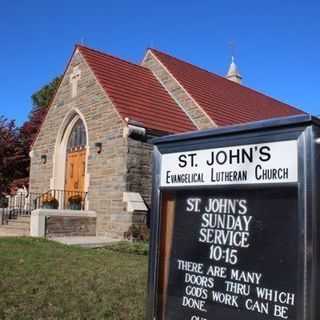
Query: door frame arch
[[57, 182]]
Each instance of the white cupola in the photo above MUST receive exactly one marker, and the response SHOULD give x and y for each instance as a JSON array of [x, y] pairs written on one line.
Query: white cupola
[[233, 72]]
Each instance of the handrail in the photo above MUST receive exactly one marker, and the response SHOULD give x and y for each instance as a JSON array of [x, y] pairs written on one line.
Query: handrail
[[24, 204]]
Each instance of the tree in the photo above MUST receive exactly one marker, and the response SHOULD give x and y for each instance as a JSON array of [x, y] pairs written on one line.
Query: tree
[[15, 143], [10, 152], [42, 97], [40, 103], [30, 128]]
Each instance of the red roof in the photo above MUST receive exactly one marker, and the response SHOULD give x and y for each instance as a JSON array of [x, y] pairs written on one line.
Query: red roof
[[136, 93], [224, 101]]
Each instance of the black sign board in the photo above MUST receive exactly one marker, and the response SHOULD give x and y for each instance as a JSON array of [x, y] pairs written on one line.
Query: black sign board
[[235, 223], [221, 268]]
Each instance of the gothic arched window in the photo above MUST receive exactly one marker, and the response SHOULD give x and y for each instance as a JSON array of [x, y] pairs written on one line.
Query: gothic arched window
[[77, 139]]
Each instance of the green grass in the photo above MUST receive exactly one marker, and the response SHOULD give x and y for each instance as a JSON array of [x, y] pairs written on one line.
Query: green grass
[[140, 248], [40, 279]]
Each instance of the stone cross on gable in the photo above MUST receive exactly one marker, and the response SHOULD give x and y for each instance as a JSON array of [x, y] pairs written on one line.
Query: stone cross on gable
[[74, 79]]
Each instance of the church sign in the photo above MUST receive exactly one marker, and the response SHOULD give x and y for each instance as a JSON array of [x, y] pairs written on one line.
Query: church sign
[[235, 223], [256, 163]]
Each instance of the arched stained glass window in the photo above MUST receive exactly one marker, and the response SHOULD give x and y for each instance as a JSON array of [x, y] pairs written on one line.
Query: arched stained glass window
[[77, 139]]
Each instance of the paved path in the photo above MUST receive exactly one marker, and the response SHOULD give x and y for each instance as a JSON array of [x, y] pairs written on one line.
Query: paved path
[[86, 242]]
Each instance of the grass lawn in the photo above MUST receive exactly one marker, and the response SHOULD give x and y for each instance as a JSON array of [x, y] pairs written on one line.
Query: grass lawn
[[40, 279]]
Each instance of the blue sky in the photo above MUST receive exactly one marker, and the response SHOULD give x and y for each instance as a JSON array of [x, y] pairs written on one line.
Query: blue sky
[[277, 42]]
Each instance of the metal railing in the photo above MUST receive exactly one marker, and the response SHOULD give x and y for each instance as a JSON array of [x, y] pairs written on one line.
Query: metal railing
[[62, 199], [18, 205], [24, 204]]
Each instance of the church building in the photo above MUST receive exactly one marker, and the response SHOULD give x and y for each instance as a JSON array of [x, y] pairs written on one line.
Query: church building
[[93, 151]]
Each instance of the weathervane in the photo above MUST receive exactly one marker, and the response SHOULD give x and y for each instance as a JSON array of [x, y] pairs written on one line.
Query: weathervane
[[232, 47], [233, 72]]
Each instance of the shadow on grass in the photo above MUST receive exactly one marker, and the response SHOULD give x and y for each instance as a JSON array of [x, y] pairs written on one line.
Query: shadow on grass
[[40, 279]]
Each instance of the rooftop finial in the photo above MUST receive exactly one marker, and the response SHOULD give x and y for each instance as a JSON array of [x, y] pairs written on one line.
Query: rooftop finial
[[233, 72]]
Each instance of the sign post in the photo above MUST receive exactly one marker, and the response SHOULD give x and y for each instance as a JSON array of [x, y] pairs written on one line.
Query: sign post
[[235, 223]]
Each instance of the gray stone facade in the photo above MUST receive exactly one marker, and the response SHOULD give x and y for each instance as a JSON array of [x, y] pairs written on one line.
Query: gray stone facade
[[124, 164], [106, 172], [139, 176]]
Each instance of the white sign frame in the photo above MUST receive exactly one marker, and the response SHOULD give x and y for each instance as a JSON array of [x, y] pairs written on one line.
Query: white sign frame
[[263, 163]]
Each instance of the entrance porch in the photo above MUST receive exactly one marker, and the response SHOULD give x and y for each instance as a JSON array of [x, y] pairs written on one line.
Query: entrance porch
[[55, 213]]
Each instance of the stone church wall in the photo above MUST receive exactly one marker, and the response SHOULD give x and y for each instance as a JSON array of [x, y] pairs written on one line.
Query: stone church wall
[[106, 170], [139, 176], [198, 116], [124, 164]]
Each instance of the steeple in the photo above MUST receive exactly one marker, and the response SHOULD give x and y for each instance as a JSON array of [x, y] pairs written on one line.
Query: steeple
[[233, 72]]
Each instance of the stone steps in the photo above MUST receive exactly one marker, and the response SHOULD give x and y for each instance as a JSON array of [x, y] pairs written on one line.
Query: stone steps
[[18, 223], [16, 227], [22, 219], [11, 231]]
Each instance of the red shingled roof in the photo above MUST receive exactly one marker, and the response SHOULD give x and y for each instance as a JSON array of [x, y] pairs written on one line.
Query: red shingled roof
[[224, 101], [136, 93]]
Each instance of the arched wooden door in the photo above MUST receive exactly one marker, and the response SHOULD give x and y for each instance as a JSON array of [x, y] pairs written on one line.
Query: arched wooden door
[[76, 158]]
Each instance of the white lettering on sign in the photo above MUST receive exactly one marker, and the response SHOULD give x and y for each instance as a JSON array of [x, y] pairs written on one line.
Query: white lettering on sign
[[225, 229], [275, 162]]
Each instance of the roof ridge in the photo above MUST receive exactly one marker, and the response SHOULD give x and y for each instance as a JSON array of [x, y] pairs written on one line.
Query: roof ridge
[[236, 85], [109, 55], [186, 62], [142, 105]]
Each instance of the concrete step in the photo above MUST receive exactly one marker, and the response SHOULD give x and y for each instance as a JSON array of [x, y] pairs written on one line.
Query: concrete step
[[13, 235], [18, 222], [15, 232], [23, 218], [14, 225], [15, 228]]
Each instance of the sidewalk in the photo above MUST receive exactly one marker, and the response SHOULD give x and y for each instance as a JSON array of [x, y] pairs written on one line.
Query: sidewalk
[[85, 242]]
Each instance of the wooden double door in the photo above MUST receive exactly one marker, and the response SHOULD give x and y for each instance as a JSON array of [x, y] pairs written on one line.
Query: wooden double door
[[75, 170]]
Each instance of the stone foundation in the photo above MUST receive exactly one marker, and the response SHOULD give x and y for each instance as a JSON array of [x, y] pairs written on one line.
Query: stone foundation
[[70, 226], [62, 223]]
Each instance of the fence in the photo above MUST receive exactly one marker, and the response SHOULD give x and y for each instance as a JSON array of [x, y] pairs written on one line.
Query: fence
[[22, 204]]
